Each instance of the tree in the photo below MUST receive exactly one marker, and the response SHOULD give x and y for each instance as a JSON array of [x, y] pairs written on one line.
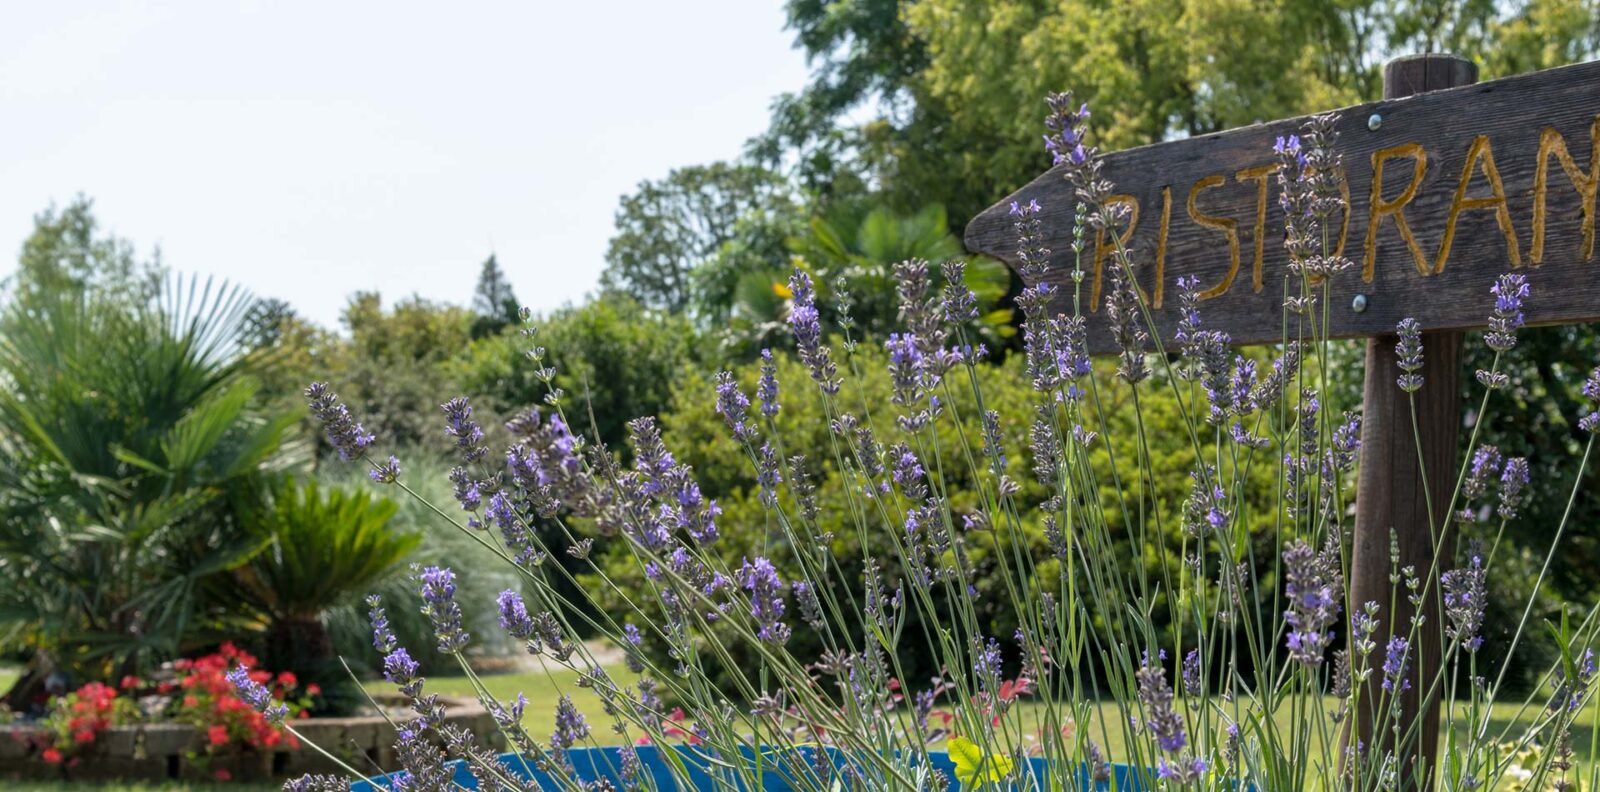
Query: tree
[[391, 368], [125, 428], [957, 84], [67, 254], [671, 226], [493, 302]]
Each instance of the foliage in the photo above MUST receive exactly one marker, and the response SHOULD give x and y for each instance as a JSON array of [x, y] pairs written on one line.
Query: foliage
[[322, 546], [615, 357], [124, 426], [879, 534], [392, 360], [67, 255], [954, 84], [672, 226], [856, 245], [346, 617]]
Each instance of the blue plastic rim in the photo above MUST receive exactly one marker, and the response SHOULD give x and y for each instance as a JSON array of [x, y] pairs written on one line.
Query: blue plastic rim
[[594, 764]]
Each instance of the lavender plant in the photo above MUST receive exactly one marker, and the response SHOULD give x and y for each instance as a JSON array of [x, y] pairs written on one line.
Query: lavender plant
[[1277, 670]]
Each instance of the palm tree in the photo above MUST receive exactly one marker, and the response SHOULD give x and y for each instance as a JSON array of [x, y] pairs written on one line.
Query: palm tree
[[324, 547], [123, 430]]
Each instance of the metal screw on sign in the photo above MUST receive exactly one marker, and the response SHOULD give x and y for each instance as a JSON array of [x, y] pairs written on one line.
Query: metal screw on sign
[[1374, 121], [1359, 304]]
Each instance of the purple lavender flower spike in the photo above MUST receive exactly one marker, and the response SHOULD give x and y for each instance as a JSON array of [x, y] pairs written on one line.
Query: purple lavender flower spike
[[386, 473], [1409, 350], [734, 406], [458, 424], [760, 579], [343, 432], [1164, 723], [1465, 598], [1509, 291], [256, 695], [514, 617], [1513, 486], [959, 303], [1394, 666], [383, 638], [806, 323], [1313, 593], [437, 585], [570, 726], [767, 387]]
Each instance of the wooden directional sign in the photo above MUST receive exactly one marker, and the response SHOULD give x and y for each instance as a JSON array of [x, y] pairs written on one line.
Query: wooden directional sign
[[1448, 190]]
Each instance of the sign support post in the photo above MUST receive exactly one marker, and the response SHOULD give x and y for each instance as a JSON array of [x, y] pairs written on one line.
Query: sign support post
[[1403, 493]]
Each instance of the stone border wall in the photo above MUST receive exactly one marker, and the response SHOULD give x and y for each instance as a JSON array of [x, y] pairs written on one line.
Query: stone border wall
[[156, 751]]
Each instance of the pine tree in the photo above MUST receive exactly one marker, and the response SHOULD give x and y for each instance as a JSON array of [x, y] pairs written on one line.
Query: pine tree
[[493, 302]]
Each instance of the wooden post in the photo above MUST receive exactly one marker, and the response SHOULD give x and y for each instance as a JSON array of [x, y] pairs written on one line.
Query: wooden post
[[1391, 499]]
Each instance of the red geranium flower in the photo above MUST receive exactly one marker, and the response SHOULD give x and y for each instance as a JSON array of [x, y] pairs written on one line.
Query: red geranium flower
[[51, 755]]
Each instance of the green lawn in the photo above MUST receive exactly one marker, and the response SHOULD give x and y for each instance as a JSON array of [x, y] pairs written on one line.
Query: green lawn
[[133, 786], [543, 691]]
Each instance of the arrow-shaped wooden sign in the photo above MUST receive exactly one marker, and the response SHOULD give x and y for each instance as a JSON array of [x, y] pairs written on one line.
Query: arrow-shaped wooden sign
[[1447, 190]]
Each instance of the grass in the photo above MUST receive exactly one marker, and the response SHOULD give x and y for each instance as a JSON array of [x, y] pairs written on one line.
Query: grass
[[133, 786], [544, 690]]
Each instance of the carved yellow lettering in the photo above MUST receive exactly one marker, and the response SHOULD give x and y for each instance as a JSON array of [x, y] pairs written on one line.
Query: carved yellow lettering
[[1378, 208], [1551, 142], [1102, 248], [1226, 225], [1479, 152], [1259, 175]]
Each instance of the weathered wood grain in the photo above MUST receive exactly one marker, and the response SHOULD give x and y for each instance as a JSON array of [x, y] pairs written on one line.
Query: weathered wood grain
[[1550, 117], [1404, 491]]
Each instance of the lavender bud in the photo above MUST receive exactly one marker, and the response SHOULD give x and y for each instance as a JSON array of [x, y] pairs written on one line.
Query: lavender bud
[[437, 586], [760, 579], [1409, 350], [1509, 291], [343, 432], [1164, 723], [458, 424], [1394, 666], [1465, 599], [256, 695], [767, 387], [1513, 482], [386, 473]]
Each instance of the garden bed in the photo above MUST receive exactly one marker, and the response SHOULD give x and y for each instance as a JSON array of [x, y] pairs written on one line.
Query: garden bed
[[154, 751]]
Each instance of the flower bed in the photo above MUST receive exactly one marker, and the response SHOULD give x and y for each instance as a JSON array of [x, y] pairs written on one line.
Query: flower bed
[[191, 723], [153, 751]]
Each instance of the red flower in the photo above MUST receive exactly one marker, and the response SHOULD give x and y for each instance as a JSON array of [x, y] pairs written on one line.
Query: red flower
[[83, 736], [51, 755], [218, 735], [288, 679], [191, 702], [313, 689], [130, 682], [222, 775]]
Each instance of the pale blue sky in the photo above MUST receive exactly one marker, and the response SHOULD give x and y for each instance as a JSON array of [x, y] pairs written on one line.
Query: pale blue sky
[[310, 149]]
